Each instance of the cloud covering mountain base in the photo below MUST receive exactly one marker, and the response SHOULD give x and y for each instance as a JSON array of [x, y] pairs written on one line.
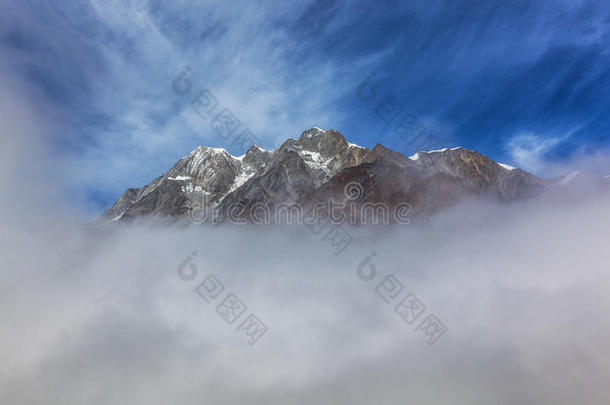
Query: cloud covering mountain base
[[100, 317]]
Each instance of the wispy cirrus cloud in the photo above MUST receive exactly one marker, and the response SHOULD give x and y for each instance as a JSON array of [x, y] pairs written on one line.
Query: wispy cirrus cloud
[[110, 65], [530, 151]]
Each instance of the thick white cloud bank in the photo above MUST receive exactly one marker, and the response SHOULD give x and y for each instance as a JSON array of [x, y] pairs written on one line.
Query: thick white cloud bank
[[103, 317], [94, 316]]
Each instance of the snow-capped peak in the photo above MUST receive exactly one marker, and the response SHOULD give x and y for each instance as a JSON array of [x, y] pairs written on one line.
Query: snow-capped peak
[[417, 156], [206, 150], [507, 167], [311, 131], [353, 145], [209, 149], [443, 150]]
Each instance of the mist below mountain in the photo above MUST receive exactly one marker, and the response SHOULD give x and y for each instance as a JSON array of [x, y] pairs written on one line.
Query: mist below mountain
[[103, 315]]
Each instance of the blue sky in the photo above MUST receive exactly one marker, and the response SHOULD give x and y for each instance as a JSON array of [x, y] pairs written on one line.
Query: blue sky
[[524, 82]]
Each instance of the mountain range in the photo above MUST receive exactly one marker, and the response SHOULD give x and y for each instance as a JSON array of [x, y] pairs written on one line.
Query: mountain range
[[322, 173]]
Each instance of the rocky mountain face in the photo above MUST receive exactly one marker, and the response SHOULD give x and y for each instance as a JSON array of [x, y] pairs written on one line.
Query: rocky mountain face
[[321, 173]]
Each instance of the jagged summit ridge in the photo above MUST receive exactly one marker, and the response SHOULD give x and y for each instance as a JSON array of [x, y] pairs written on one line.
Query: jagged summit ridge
[[315, 166]]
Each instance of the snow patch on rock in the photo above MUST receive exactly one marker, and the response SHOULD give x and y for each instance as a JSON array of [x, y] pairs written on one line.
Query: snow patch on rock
[[507, 167]]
